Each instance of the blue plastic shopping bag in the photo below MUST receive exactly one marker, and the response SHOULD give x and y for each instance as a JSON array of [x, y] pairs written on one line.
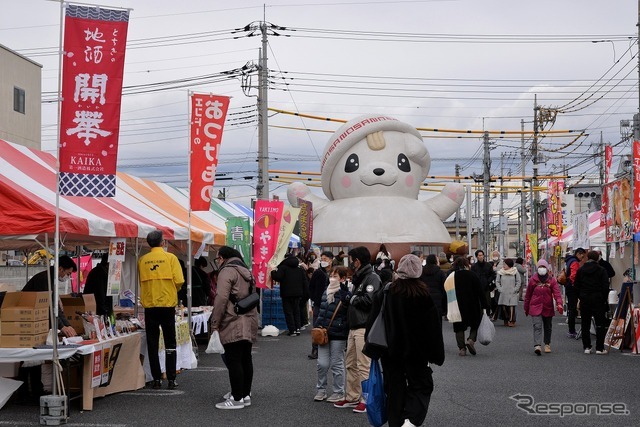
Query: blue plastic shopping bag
[[374, 396]]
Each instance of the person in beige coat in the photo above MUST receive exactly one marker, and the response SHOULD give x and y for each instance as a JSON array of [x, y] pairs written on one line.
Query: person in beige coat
[[508, 284], [237, 331]]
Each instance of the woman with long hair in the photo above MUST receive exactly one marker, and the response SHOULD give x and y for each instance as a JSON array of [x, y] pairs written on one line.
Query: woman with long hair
[[414, 339]]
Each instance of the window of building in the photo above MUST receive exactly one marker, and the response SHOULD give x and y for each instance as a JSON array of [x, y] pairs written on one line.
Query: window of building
[[513, 231], [18, 100]]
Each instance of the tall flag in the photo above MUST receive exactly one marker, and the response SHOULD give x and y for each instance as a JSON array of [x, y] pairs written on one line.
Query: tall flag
[[239, 236], [208, 113], [93, 66], [554, 208], [306, 224], [289, 218], [608, 157], [266, 227], [636, 187]]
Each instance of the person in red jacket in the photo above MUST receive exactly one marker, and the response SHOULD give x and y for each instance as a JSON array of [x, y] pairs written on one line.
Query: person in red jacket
[[572, 262], [542, 294]]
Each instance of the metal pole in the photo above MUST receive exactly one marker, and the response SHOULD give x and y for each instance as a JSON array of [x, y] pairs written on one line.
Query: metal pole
[[534, 182], [486, 178], [501, 214]]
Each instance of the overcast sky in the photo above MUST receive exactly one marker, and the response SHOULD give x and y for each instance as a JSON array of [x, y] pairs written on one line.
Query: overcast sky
[[466, 64]]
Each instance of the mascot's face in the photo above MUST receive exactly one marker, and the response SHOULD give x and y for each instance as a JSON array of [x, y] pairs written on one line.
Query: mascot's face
[[387, 171]]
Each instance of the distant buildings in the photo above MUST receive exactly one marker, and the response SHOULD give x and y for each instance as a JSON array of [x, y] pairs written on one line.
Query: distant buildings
[[20, 99]]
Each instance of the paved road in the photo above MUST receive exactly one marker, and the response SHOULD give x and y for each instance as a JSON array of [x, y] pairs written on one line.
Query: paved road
[[468, 390]]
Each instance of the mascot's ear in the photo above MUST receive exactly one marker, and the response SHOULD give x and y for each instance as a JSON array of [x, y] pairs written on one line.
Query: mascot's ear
[[417, 151]]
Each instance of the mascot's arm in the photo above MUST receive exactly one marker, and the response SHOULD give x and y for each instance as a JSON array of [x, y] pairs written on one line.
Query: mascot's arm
[[298, 190], [448, 201]]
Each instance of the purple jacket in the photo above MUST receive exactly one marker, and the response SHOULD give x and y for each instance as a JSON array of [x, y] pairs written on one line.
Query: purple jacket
[[539, 299]]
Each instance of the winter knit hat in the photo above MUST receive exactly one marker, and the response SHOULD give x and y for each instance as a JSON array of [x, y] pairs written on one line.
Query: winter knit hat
[[352, 132], [410, 267], [543, 263]]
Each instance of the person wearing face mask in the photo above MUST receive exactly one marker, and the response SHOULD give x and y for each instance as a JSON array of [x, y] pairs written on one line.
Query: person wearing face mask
[[317, 285], [486, 274], [543, 294], [333, 305], [39, 283]]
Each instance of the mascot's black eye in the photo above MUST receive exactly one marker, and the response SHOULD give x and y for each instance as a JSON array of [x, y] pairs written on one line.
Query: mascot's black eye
[[403, 163], [352, 164]]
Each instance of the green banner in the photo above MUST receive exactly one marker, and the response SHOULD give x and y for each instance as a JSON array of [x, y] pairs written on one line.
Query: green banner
[[239, 236]]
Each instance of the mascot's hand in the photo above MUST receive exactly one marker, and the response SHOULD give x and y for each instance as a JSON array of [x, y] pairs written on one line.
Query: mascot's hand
[[295, 191], [455, 192]]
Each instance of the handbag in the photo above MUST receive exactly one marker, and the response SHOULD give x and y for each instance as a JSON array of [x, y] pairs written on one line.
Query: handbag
[[376, 341], [562, 277], [215, 345], [486, 330], [376, 399], [320, 335]]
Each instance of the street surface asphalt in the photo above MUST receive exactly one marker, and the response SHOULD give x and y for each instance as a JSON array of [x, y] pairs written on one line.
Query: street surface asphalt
[[471, 390]]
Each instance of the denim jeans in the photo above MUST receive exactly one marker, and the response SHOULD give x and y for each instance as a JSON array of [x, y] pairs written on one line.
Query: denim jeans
[[331, 355]]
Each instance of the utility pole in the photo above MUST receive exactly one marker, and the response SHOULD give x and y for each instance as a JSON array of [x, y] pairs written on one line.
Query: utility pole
[[501, 226], [534, 181], [486, 178], [523, 197], [262, 188], [458, 211]]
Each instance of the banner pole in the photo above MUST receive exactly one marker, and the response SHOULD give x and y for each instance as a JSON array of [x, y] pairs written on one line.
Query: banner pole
[[189, 269], [56, 238]]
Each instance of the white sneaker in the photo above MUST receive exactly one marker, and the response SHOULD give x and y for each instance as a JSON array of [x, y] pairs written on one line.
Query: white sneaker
[[408, 423], [320, 396], [231, 404], [587, 350], [601, 351], [247, 399]]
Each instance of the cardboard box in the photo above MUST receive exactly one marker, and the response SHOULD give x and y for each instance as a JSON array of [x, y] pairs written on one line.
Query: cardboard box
[[24, 341], [25, 307], [24, 328], [73, 305]]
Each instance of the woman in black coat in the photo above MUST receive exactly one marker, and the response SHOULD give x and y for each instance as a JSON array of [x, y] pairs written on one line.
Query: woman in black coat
[[434, 278], [471, 302], [414, 339]]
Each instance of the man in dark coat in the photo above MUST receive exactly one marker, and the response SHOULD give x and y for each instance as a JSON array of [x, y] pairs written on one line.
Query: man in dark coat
[[471, 302], [317, 285], [292, 279], [486, 274], [96, 284], [592, 284]]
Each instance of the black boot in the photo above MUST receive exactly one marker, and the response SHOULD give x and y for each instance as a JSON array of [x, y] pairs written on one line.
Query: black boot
[[170, 364]]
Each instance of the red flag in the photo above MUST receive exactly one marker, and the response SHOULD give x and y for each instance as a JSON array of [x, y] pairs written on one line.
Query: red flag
[[93, 66], [636, 186], [266, 227], [208, 113]]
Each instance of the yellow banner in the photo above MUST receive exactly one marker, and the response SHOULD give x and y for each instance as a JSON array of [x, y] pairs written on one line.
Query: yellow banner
[[533, 245]]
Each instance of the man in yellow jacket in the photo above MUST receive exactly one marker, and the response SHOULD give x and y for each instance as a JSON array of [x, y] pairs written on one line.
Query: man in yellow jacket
[[160, 279]]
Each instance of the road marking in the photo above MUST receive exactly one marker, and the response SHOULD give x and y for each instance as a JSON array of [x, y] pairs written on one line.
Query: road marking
[[209, 369]]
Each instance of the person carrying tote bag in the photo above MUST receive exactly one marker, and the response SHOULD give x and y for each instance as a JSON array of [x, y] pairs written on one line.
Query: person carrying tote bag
[[414, 340]]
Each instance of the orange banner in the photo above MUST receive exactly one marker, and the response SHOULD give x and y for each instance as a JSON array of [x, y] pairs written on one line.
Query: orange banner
[[208, 113]]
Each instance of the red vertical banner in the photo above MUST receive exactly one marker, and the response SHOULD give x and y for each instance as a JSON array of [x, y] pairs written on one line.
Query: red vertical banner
[[608, 158], [266, 226], [305, 220], [92, 72], [636, 187], [208, 113]]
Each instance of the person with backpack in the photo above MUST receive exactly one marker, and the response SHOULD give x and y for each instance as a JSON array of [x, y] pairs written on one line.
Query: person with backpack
[[592, 284], [542, 292], [572, 263]]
